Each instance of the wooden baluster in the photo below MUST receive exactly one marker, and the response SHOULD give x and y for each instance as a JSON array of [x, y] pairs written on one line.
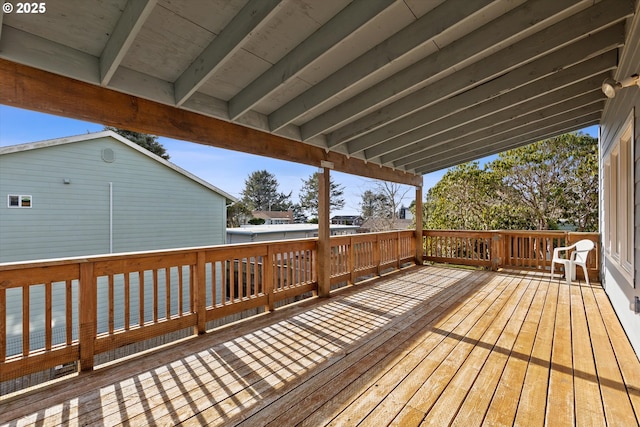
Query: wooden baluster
[[141, 296], [180, 290], [351, 262], [111, 304], [127, 301], [25, 321], [167, 284], [68, 308], [398, 250], [268, 278], [215, 278], [3, 320], [200, 293], [88, 316], [48, 310], [155, 303]]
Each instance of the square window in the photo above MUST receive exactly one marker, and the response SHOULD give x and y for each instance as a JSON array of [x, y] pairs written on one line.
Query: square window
[[18, 201]]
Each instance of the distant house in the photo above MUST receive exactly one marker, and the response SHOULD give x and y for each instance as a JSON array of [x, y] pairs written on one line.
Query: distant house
[[100, 193], [263, 233], [405, 213], [347, 220], [274, 217]]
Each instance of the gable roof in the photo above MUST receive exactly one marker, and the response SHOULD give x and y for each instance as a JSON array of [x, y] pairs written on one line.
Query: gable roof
[[110, 134]]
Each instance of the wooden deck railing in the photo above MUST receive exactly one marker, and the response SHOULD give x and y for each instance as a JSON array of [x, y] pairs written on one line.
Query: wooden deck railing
[[358, 255], [64, 311], [505, 248]]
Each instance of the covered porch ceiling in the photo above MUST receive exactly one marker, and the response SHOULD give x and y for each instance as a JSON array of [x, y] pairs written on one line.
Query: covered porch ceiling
[[381, 88]]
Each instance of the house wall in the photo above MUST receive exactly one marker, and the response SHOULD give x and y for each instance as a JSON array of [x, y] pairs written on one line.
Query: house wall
[[154, 207], [620, 287]]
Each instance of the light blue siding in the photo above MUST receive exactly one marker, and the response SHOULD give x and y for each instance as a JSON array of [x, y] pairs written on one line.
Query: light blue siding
[[154, 206]]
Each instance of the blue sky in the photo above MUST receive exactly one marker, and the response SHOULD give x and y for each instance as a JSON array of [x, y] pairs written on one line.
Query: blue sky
[[225, 169]]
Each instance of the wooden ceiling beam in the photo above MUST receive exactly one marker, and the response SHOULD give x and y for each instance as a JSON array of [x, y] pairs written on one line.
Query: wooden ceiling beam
[[569, 82], [421, 31], [572, 123], [573, 55], [333, 32], [133, 17], [432, 67], [230, 39], [460, 138], [26, 87], [578, 26]]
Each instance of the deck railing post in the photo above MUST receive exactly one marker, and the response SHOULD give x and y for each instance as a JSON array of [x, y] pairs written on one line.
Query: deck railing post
[[324, 244], [88, 316], [419, 234], [496, 252]]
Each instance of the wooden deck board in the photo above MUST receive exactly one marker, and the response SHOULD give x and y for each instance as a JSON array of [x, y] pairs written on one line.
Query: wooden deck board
[[430, 346], [473, 410], [588, 402]]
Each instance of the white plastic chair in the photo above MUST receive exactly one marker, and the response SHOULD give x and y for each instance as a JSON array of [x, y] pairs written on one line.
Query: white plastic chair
[[579, 255]]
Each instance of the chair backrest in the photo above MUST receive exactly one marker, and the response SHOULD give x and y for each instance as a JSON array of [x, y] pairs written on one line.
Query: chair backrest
[[582, 249]]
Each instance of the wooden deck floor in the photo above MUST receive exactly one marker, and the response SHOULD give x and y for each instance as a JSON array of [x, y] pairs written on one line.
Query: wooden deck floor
[[431, 345]]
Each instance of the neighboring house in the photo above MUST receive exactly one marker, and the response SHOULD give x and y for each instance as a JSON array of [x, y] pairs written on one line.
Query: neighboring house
[[100, 193], [263, 233], [620, 191], [274, 217], [405, 213], [347, 220]]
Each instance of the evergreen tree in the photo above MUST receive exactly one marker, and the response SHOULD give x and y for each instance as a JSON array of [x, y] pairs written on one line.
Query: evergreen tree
[[309, 195], [149, 142], [261, 193]]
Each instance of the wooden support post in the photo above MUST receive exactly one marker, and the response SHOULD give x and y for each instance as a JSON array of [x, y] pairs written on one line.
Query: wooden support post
[[88, 317], [324, 245], [419, 258], [496, 251]]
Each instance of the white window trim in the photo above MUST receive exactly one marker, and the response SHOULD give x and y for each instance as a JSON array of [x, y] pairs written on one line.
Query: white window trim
[[20, 198], [618, 184]]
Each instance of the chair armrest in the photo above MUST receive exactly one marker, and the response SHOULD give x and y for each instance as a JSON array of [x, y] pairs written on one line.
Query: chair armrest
[[557, 250]]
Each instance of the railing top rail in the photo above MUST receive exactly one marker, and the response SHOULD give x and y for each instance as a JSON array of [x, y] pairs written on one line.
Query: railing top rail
[[514, 232], [42, 263]]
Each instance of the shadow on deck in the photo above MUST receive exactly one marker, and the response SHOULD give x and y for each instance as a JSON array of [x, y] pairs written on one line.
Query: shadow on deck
[[428, 345]]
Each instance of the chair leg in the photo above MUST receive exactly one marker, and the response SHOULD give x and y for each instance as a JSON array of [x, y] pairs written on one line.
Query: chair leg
[[553, 264], [586, 275]]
